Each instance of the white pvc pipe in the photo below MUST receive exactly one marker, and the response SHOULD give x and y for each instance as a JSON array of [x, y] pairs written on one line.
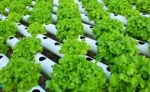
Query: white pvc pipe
[[50, 28], [37, 89], [33, 3], [45, 63], [2, 17], [54, 10], [56, 3], [6, 10], [3, 61], [50, 44], [81, 9], [145, 15], [90, 42], [29, 8], [86, 19], [23, 30], [143, 47], [88, 29], [119, 17], [26, 17], [103, 66], [12, 41], [54, 18]]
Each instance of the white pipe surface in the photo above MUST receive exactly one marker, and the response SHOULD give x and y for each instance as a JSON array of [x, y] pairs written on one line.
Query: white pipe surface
[[103, 66], [90, 42], [50, 44], [33, 3], [29, 8], [56, 3], [6, 10], [2, 17], [3, 61], [119, 17], [143, 47], [37, 89], [23, 30], [26, 17], [88, 29], [50, 28], [12, 41], [45, 63], [85, 19]]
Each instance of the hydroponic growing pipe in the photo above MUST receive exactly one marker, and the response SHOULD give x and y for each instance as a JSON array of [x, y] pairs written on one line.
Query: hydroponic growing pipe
[[53, 46], [45, 63], [4, 61]]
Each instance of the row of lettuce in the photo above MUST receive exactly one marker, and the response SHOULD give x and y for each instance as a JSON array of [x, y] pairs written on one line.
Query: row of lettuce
[[125, 6], [22, 73], [129, 70], [74, 72]]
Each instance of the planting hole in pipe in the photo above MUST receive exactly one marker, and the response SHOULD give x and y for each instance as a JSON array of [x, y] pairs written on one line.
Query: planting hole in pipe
[[42, 58], [108, 69], [141, 42], [96, 43], [1, 57], [125, 25], [56, 43], [36, 90], [19, 24], [26, 28], [91, 26], [115, 14], [82, 37], [88, 59], [11, 37], [44, 37], [85, 15]]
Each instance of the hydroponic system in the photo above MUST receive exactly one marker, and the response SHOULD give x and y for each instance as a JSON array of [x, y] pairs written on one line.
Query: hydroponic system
[[74, 46]]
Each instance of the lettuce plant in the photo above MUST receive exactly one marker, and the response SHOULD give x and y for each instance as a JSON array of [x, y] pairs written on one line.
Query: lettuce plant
[[20, 75], [122, 7], [41, 13], [130, 74], [3, 46], [27, 48], [69, 28], [68, 13], [95, 10], [107, 25], [75, 74], [143, 6], [111, 45], [97, 13], [73, 46], [36, 28], [139, 27], [7, 29], [67, 9]]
